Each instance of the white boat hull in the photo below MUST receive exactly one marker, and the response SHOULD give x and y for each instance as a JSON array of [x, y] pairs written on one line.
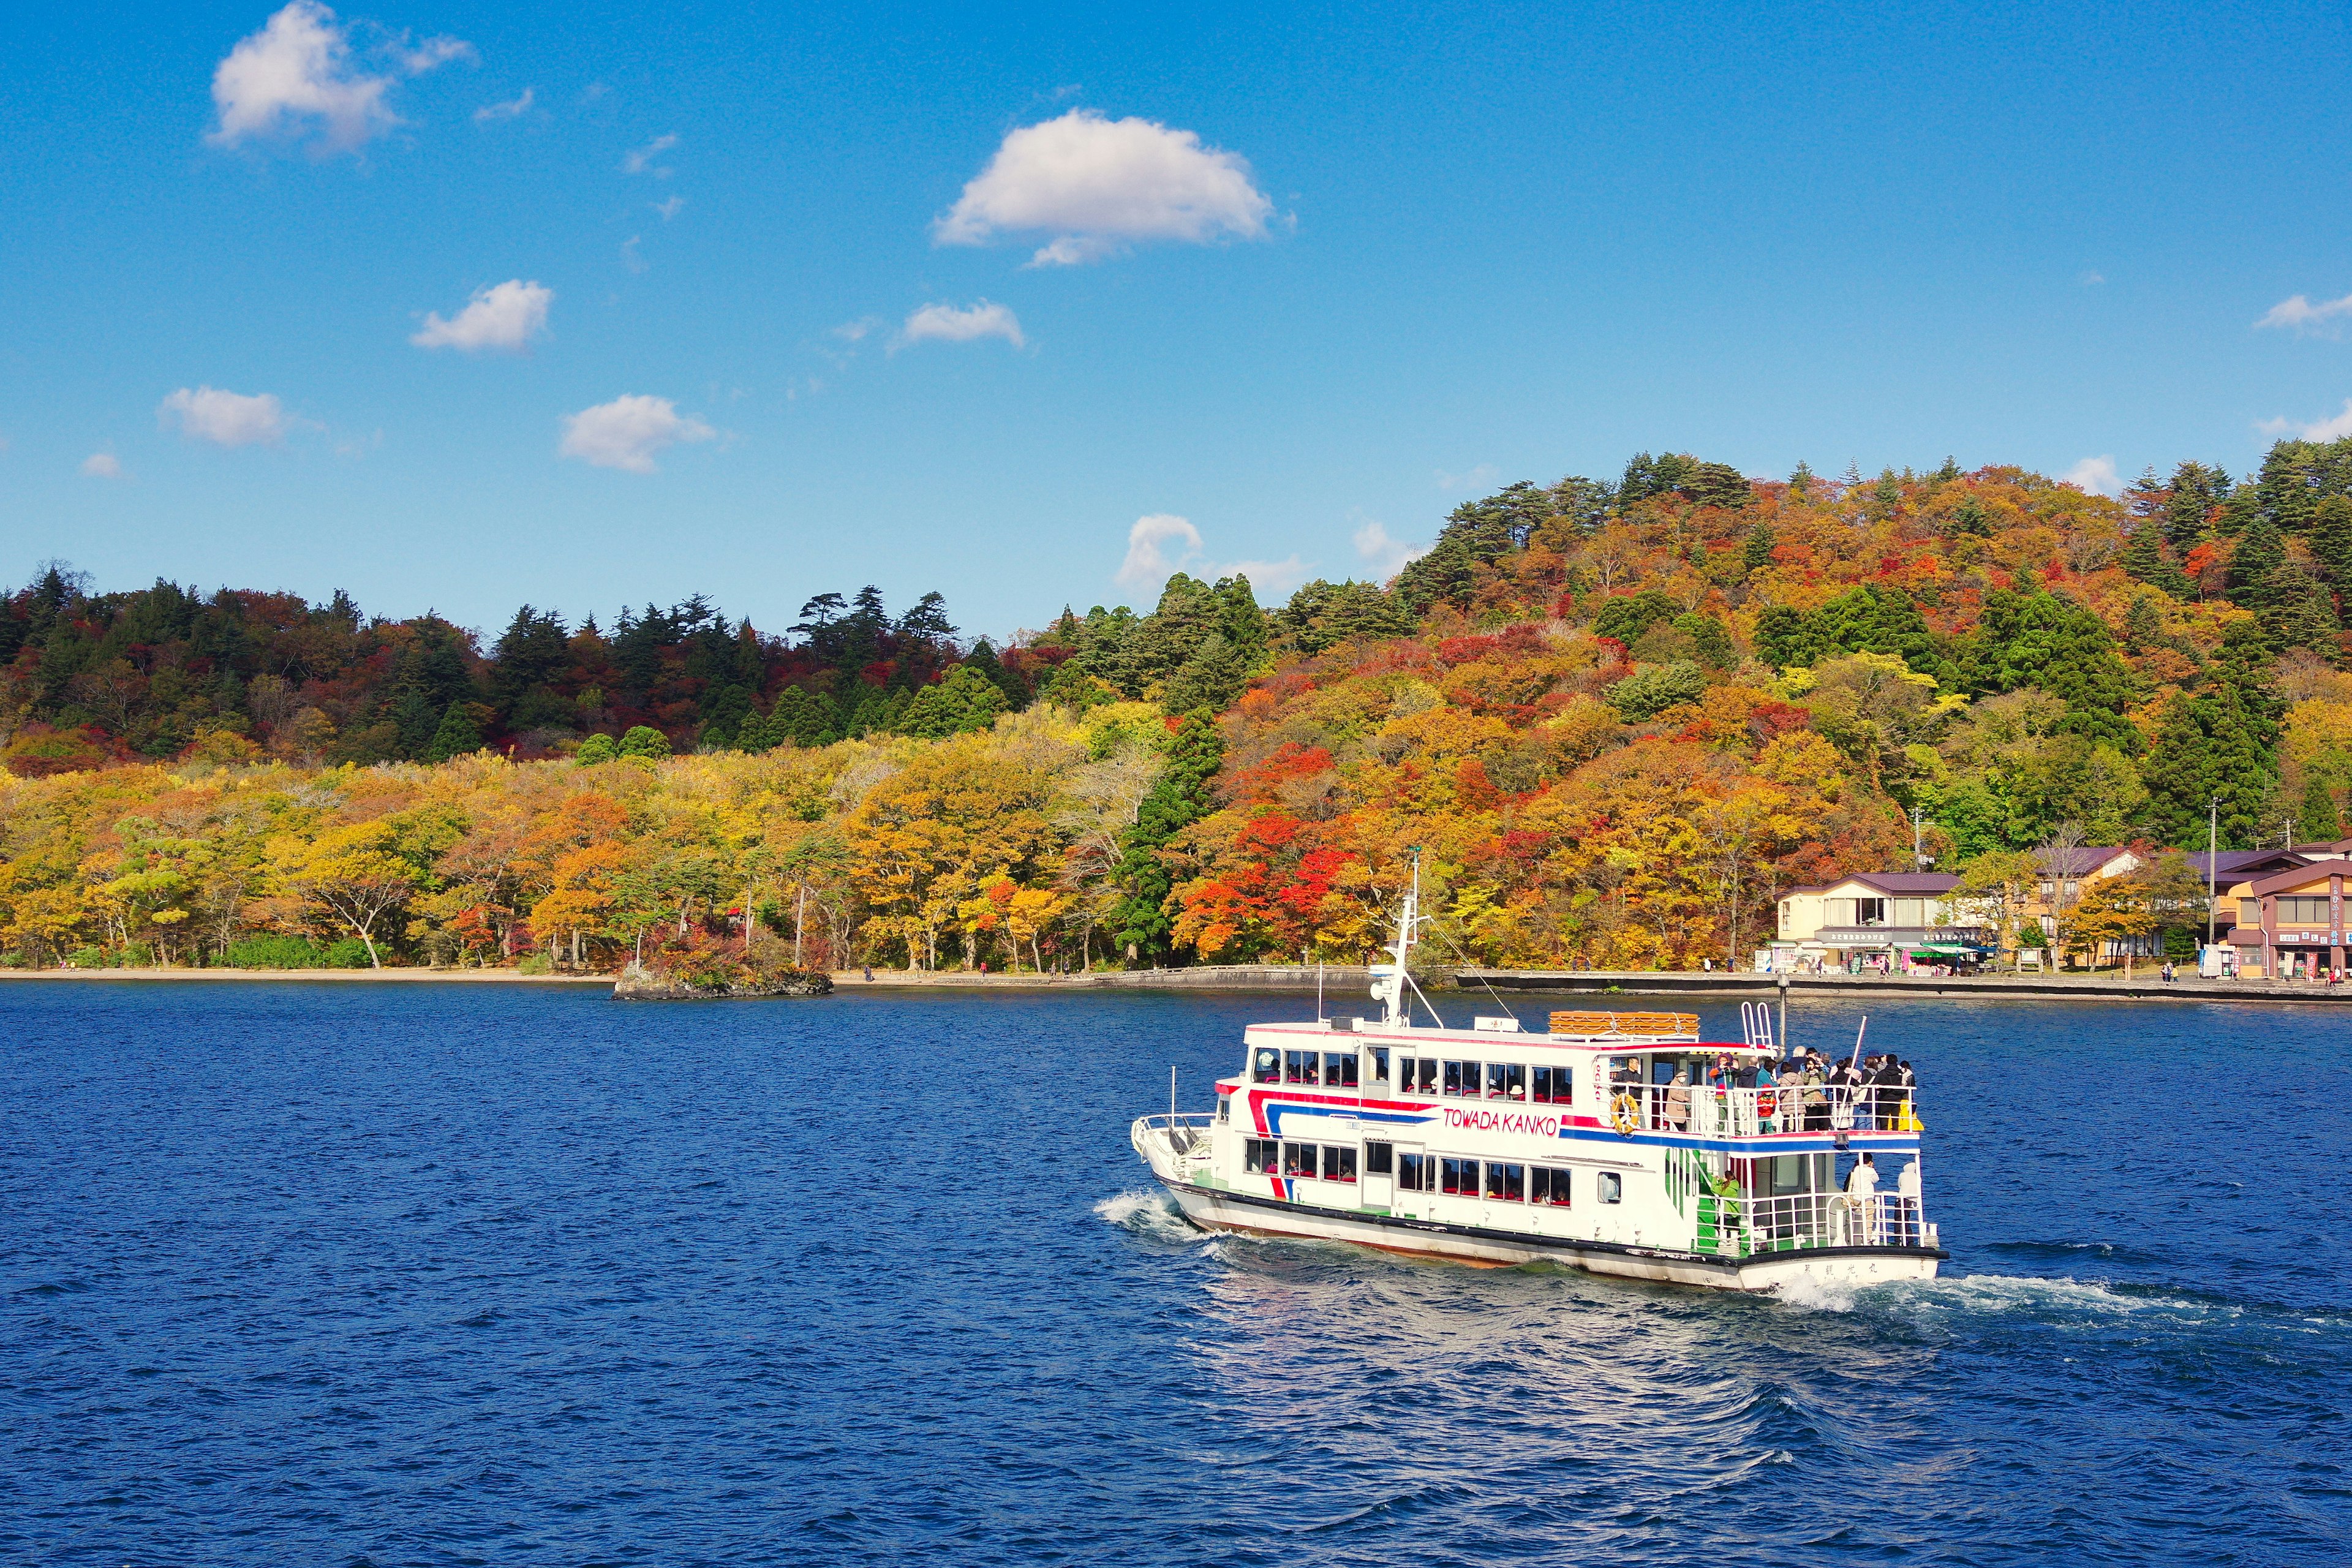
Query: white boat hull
[[1214, 1210]]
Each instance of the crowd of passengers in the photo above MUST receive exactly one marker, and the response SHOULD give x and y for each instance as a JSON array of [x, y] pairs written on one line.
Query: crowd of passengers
[[1805, 1092]]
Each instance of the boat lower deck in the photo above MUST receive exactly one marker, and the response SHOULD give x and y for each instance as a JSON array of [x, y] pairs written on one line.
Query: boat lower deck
[[1223, 1209]]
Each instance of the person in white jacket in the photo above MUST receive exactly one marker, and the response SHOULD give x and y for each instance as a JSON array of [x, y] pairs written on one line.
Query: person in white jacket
[[1862, 1198], [1906, 1196]]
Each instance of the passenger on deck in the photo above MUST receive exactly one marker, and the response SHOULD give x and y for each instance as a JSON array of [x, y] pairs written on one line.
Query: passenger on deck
[[1678, 1101], [1862, 1198], [1767, 1101], [1908, 1232], [1906, 1086], [1812, 1096]]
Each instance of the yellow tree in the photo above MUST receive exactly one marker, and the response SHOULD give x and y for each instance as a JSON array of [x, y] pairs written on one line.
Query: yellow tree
[[350, 872]]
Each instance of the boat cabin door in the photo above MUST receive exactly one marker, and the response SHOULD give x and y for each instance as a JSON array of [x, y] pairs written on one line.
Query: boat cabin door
[[1379, 1174]]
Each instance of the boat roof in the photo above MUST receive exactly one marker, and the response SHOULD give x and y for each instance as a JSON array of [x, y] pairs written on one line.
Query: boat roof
[[1593, 1030]]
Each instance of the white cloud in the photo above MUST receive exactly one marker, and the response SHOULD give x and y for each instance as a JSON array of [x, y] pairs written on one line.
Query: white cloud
[[1149, 562], [851, 332], [627, 432], [1386, 556], [948, 325], [2092, 280], [225, 419], [669, 208], [2308, 319], [101, 466], [2095, 476], [490, 111], [504, 317], [641, 161], [1477, 477], [295, 79], [1094, 184], [629, 257], [2332, 429]]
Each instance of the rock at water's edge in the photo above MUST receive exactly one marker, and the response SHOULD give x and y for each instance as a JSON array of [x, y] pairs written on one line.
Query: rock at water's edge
[[639, 984]]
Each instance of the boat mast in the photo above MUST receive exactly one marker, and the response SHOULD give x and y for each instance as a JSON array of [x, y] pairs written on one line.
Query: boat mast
[[1388, 980]]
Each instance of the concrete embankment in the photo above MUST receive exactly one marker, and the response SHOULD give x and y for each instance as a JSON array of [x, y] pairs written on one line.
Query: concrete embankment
[[2143, 986], [1336, 980]]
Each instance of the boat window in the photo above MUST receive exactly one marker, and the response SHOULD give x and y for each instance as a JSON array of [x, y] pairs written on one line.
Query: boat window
[[1225, 1108], [1261, 1156], [1428, 1080], [1547, 1185], [1267, 1068], [1378, 1159], [1459, 1176], [1298, 1159], [1461, 1078], [1506, 1080], [1555, 1085], [1624, 1069], [1340, 1069], [1338, 1164], [1613, 1187], [1416, 1173], [1376, 1063], [1301, 1067], [1508, 1182]]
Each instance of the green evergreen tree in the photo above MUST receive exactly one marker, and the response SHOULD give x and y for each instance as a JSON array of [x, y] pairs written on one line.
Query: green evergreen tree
[[1143, 921], [2300, 613], [965, 701], [2331, 544], [596, 748], [1756, 551], [2194, 492], [2260, 552], [2317, 820], [1211, 679], [2144, 559], [1445, 575], [984, 658], [2143, 623], [1969, 519], [456, 736], [1710, 638], [758, 733]]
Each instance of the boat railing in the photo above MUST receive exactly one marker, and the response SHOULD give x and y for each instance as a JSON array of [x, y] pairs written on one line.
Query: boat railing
[[1744, 1227], [1184, 1129], [1709, 1112]]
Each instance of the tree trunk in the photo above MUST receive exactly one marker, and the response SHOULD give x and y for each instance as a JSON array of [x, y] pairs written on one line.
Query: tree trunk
[[373, 961]]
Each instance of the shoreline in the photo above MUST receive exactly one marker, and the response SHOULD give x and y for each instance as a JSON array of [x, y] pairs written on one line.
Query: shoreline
[[1343, 986]]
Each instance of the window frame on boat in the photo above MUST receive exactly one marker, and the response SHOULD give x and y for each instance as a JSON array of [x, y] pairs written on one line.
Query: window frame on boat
[[1506, 1182], [1416, 1173], [1340, 1163], [1449, 1177], [1262, 1156], [1266, 1066], [1344, 1063], [1379, 1157], [1300, 1160], [1548, 1187], [1305, 1068], [1506, 1081], [1609, 1186], [1550, 1083], [1460, 1072]]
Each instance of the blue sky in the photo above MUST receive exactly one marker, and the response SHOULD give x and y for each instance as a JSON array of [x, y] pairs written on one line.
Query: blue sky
[[1310, 277]]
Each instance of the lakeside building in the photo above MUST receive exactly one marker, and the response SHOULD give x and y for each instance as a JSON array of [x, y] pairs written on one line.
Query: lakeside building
[[2289, 924], [1892, 920]]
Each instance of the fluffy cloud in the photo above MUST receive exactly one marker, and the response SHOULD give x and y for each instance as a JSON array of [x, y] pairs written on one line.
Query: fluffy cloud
[[2095, 476], [1150, 562], [1386, 556], [627, 432], [2332, 429], [295, 79], [504, 317], [641, 161], [2323, 320], [948, 325], [1478, 477], [101, 466], [490, 111], [1094, 184], [224, 418]]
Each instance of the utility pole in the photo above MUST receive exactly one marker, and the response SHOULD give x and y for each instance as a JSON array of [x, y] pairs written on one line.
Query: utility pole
[[1918, 817], [2212, 854]]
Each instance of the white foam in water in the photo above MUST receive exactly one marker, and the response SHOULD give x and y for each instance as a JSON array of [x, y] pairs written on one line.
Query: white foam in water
[[1150, 1213], [1814, 1294]]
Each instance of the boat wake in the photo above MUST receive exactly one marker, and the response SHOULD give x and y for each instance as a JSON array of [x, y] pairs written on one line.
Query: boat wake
[[1153, 1215]]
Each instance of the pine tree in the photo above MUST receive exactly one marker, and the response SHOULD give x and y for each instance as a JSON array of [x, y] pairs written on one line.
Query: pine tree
[[2316, 819], [2261, 551], [456, 735], [1143, 922], [2144, 559], [1756, 553], [2143, 623], [2331, 544]]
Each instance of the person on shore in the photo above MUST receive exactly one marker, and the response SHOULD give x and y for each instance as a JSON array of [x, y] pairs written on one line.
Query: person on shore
[[2166, 972], [1678, 1101], [869, 974], [1862, 1197]]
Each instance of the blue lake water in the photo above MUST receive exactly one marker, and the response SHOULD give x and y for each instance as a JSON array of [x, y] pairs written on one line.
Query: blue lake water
[[442, 1274]]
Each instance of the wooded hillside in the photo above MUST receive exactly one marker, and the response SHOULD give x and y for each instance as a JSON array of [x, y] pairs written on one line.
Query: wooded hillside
[[1616, 719]]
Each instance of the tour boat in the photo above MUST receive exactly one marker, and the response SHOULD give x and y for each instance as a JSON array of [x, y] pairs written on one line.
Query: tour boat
[[1499, 1146]]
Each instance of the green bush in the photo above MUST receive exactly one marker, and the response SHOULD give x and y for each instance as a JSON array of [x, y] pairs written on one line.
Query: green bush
[[275, 953], [350, 952], [87, 958], [596, 749], [1652, 689], [535, 964], [645, 741]]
